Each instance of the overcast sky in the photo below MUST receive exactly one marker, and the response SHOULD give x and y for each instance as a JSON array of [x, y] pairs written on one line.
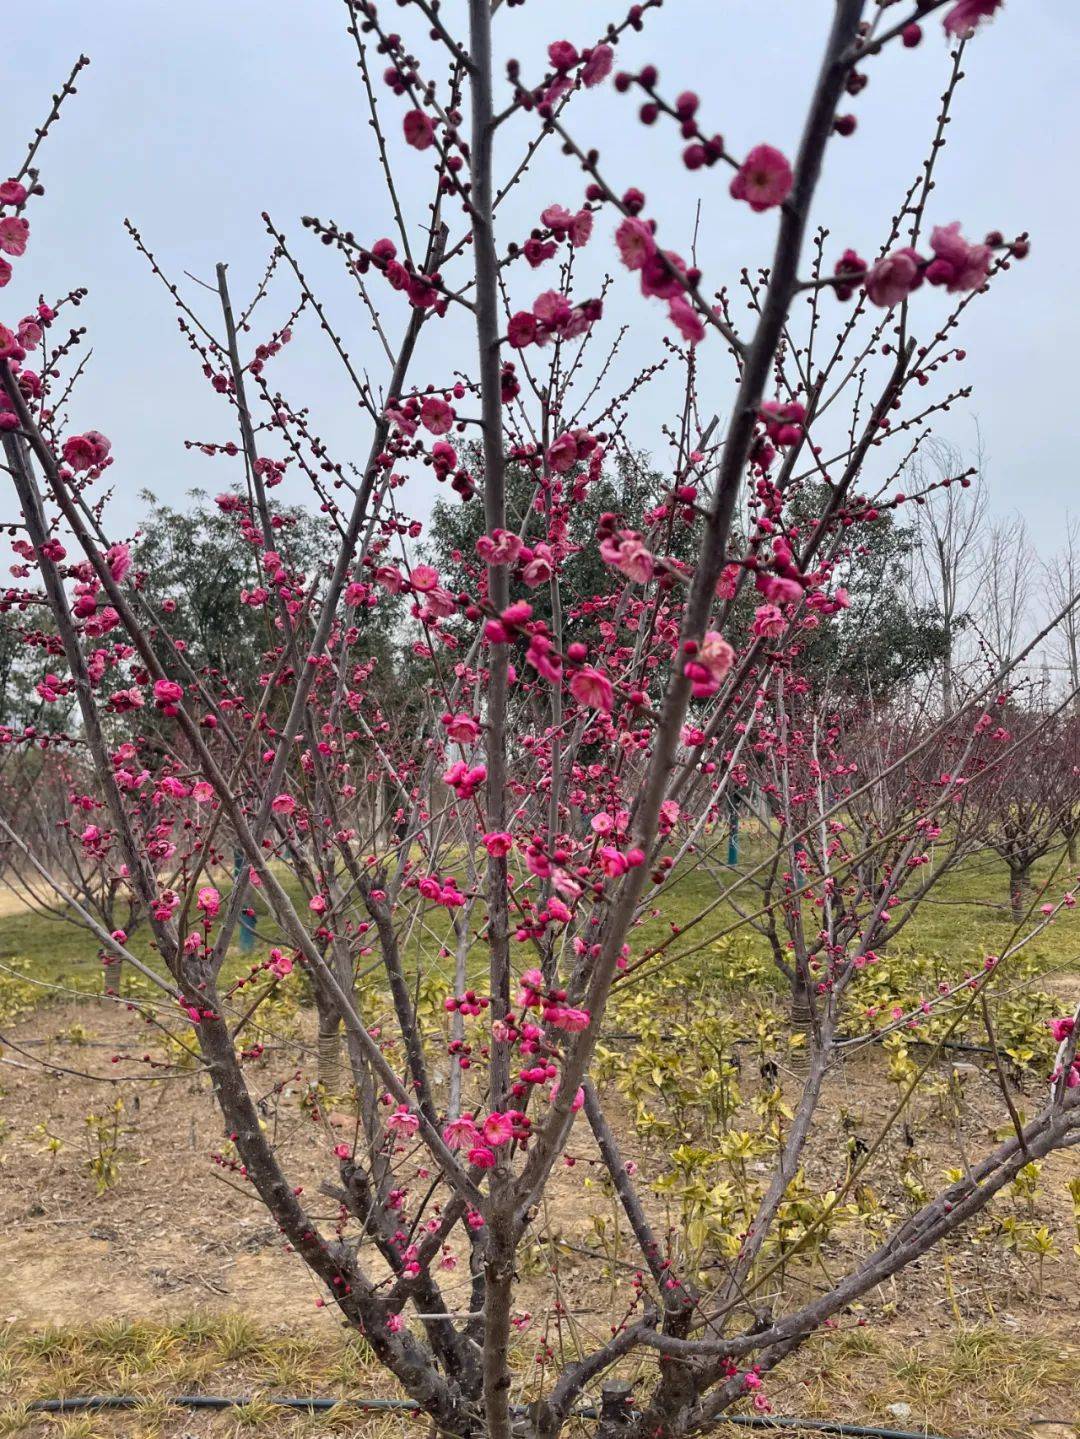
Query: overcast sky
[[195, 117]]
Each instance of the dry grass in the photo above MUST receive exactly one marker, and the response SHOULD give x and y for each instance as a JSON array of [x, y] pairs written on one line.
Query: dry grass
[[982, 1381], [229, 1354], [978, 1381]]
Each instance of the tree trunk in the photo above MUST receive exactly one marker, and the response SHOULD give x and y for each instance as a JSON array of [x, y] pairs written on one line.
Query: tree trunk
[[800, 1006], [112, 975], [329, 1049], [615, 1413], [947, 674], [1019, 889], [801, 1017], [457, 1023]]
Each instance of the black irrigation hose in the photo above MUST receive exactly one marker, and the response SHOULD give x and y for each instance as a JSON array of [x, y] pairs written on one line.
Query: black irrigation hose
[[612, 1035], [81, 1403]]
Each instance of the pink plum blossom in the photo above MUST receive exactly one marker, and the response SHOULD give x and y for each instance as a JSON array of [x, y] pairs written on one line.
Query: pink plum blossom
[[764, 178], [957, 264], [436, 415], [590, 686], [419, 131], [14, 233], [598, 65], [461, 728], [964, 18], [894, 277], [460, 1133], [768, 622], [562, 54], [635, 242], [626, 552], [497, 1129], [209, 901], [686, 320]]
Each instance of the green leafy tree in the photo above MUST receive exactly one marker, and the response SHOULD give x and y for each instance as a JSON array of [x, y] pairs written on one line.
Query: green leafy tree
[[884, 640], [627, 488], [193, 563]]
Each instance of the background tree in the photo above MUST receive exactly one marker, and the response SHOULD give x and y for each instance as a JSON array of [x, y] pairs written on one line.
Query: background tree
[[884, 640], [1032, 797], [1007, 562], [1061, 581], [945, 558]]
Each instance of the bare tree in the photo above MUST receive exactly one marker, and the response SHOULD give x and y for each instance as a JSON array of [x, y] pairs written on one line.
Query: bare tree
[[1061, 581], [1008, 566], [1032, 798], [946, 565]]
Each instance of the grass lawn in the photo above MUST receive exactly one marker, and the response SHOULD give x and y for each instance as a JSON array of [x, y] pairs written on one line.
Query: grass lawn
[[969, 907], [967, 913]]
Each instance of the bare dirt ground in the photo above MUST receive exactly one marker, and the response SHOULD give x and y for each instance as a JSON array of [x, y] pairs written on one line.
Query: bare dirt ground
[[175, 1234], [172, 1233]]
